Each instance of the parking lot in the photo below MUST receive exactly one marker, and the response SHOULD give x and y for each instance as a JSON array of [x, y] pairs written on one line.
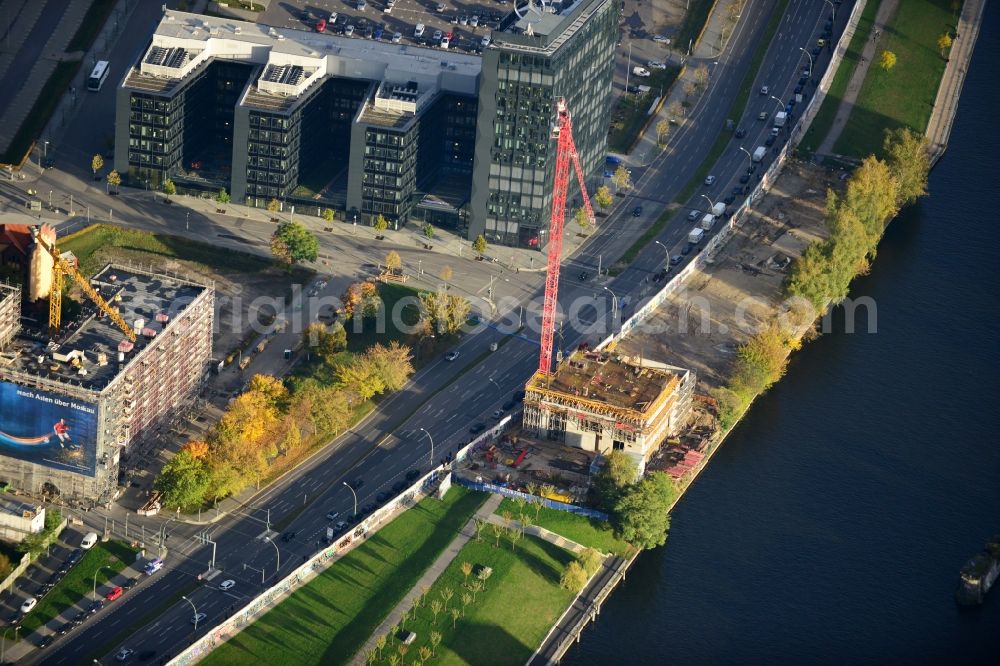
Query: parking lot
[[468, 22]]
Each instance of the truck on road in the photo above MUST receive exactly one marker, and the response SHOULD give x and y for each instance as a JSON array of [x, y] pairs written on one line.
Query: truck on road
[[696, 235], [708, 221], [718, 209], [758, 154], [780, 118]]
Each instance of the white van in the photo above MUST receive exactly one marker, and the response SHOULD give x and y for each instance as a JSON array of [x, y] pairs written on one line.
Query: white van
[[89, 539], [418, 32]]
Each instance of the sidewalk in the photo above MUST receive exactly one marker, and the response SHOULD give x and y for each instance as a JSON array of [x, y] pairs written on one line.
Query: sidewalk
[[432, 574], [885, 13], [542, 533], [709, 50], [950, 90]]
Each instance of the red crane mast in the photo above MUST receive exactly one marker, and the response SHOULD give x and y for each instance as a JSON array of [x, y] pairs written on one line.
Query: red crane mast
[[562, 132]]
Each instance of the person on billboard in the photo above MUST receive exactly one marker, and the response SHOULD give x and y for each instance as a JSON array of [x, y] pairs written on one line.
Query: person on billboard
[[61, 430]]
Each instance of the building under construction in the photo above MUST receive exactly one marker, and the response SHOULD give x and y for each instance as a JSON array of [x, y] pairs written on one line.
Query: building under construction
[[73, 397], [601, 402]]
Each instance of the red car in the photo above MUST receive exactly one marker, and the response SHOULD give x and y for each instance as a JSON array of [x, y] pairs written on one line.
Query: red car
[[321, 25], [114, 594]]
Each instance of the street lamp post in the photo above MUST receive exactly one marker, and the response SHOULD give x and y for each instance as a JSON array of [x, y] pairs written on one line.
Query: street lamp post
[[195, 608], [833, 10], [278, 552], [95, 578], [710, 202], [748, 155], [3, 650], [614, 305], [187, 221], [781, 105], [432, 443], [495, 384], [348, 486], [666, 250], [810, 60]]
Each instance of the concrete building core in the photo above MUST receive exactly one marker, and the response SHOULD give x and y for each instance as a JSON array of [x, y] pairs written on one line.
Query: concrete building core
[[453, 132], [598, 401], [69, 407]]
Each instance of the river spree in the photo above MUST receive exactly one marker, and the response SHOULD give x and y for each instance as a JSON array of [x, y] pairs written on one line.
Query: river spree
[[831, 526]]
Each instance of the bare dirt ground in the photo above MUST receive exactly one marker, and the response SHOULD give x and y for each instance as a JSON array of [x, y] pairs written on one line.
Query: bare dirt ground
[[700, 327]]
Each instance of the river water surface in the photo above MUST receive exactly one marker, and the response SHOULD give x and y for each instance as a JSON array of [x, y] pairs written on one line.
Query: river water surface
[[831, 525]]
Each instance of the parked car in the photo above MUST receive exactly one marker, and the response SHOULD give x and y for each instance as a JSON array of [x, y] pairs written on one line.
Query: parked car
[[340, 527], [95, 606], [477, 428], [89, 539], [769, 141], [399, 487], [153, 566], [656, 64], [412, 474], [660, 39], [130, 583], [498, 414], [676, 259], [382, 497], [45, 642], [29, 604], [115, 593]]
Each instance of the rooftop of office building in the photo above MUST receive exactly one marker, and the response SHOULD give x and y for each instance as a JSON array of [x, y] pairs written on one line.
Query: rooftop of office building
[[91, 350]]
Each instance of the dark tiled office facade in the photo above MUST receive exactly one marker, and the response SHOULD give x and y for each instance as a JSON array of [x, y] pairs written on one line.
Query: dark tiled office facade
[[477, 158]]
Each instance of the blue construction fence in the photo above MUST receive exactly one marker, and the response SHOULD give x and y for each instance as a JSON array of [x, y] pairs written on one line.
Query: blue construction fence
[[552, 504]]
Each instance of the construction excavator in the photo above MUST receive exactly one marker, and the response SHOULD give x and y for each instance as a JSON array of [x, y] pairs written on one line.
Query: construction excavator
[[62, 267]]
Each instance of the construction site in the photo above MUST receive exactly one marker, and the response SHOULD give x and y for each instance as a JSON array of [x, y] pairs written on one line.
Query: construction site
[[77, 392]]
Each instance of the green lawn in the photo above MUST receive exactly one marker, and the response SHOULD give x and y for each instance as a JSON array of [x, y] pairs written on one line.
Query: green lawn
[[586, 531], [86, 243], [824, 118], [904, 96], [737, 108], [631, 113], [79, 582], [329, 619], [507, 621], [397, 298]]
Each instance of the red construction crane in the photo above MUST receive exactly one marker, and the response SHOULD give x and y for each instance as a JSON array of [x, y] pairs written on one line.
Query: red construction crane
[[562, 132]]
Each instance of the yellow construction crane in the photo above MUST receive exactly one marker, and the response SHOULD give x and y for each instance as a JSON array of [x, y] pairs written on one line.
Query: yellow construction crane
[[62, 267]]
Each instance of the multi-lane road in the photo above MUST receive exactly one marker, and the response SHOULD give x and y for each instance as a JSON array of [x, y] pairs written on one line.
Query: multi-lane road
[[445, 398]]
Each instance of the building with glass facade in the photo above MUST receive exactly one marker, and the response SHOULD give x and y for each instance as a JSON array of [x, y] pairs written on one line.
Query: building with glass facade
[[410, 131]]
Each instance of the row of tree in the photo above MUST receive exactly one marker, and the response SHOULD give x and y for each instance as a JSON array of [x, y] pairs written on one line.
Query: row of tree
[[875, 193], [274, 422], [638, 508]]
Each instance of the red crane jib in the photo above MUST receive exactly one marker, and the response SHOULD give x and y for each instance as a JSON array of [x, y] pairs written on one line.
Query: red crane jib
[[565, 152]]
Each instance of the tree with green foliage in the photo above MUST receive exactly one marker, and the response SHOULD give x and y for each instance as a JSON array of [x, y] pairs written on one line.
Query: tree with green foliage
[[582, 219], [574, 578], [909, 161], [34, 544], [887, 60], [614, 478], [479, 245], [761, 360], [223, 196], [393, 262], [602, 197], [96, 163], [872, 194], [591, 561], [622, 178], [114, 181], [443, 313], [292, 243], [328, 214], [642, 513], [428, 231], [380, 224], [323, 340], [169, 188], [435, 641], [183, 481], [273, 206]]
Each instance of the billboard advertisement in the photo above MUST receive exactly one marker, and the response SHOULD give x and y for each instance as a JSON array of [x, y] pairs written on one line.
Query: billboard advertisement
[[48, 429]]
